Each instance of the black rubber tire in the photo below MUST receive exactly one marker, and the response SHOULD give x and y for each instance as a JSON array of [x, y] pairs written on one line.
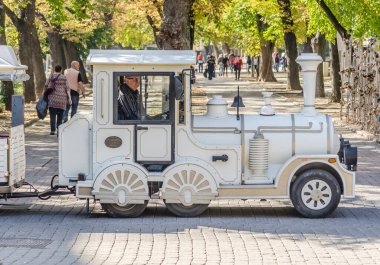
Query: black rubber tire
[[300, 182], [181, 210], [128, 211]]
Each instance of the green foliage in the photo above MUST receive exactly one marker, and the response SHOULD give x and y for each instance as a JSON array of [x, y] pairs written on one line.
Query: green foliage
[[131, 27], [123, 23], [361, 18]]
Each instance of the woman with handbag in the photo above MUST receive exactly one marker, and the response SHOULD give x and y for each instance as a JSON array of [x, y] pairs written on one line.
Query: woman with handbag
[[57, 92]]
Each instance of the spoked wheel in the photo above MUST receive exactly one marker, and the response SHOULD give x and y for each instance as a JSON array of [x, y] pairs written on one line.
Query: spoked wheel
[[129, 210], [315, 193], [182, 210]]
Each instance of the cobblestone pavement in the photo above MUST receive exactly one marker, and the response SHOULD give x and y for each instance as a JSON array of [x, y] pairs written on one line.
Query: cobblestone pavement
[[59, 231]]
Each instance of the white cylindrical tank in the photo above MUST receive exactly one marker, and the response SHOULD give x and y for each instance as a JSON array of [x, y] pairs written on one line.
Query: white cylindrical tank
[[217, 107]]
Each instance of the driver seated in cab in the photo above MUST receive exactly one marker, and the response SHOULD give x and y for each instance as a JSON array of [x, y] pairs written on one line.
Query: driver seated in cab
[[128, 100]]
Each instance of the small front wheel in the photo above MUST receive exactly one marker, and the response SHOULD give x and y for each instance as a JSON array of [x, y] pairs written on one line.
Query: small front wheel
[[315, 193], [181, 210], [129, 210]]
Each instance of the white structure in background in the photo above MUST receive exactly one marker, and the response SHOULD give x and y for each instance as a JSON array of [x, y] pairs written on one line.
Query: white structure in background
[[12, 145], [10, 68], [188, 160]]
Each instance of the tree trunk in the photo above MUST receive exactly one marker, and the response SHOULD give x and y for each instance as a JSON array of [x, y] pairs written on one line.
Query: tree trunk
[[266, 71], [192, 28], [341, 30], [25, 27], [72, 54], [290, 44], [34, 42], [335, 76], [3, 38], [56, 49], [307, 48], [318, 43], [293, 68], [25, 51], [175, 30], [7, 85], [226, 48]]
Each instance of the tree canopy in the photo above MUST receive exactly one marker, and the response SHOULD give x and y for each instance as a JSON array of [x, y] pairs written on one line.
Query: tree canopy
[[69, 28]]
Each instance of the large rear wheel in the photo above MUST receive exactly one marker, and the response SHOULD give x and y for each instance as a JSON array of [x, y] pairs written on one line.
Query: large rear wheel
[[315, 193], [181, 210], [129, 210]]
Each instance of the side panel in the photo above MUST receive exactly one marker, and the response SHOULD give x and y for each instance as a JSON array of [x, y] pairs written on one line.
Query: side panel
[[317, 137], [4, 160], [113, 142], [74, 149], [154, 143], [17, 155], [229, 171]]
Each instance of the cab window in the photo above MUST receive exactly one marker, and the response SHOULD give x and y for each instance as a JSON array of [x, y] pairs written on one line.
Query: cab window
[[142, 97]]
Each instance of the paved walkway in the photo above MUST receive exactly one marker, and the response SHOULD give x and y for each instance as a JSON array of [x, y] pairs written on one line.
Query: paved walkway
[[59, 231]]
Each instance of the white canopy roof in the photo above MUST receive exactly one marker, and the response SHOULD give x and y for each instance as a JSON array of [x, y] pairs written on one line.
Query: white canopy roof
[[141, 57], [10, 68]]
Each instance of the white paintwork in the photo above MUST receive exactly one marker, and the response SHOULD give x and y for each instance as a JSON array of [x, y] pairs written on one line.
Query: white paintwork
[[4, 160], [154, 144], [309, 63], [74, 157], [197, 140], [10, 68], [228, 172], [17, 155], [121, 183], [320, 159], [103, 153], [141, 57], [189, 184]]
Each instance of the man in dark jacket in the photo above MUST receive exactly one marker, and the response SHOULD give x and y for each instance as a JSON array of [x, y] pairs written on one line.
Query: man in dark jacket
[[128, 100], [225, 62], [211, 67]]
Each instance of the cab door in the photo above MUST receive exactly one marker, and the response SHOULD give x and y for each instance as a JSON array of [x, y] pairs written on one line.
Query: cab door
[[154, 143], [154, 132]]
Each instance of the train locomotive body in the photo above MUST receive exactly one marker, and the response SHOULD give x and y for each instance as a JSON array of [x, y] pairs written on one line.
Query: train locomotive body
[[189, 160]]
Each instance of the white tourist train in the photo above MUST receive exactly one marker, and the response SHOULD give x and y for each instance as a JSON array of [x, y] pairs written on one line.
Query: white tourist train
[[190, 160]]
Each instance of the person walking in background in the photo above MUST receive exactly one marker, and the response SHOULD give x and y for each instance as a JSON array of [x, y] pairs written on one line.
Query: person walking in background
[[200, 61], [276, 62], [211, 67], [58, 98], [75, 83], [284, 62], [225, 62], [232, 62], [220, 65], [238, 66], [256, 65], [249, 63]]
